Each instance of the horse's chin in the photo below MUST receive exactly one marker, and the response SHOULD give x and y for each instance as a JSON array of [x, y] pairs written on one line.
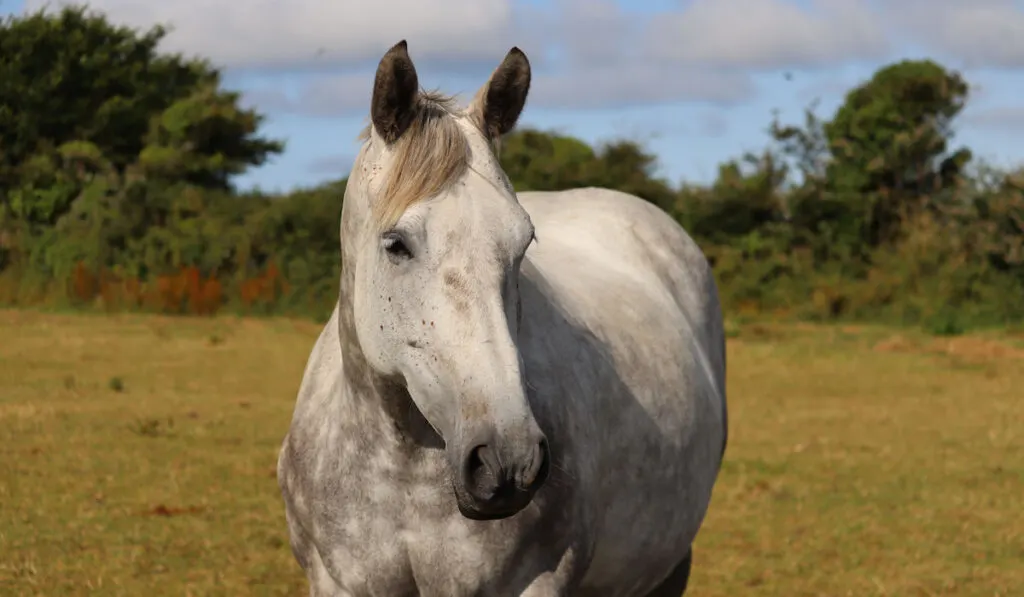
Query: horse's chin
[[489, 514], [507, 508]]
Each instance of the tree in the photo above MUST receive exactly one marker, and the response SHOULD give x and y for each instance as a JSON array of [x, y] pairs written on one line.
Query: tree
[[543, 161], [745, 198], [73, 77], [204, 139], [889, 141], [626, 166], [831, 223]]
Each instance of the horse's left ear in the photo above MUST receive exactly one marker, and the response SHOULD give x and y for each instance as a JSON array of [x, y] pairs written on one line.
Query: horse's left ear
[[500, 101], [395, 89]]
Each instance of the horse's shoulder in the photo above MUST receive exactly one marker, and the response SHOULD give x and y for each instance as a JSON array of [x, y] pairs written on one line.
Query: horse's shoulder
[[607, 249]]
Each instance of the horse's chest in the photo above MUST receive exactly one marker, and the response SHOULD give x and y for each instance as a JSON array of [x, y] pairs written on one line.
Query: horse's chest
[[374, 528], [382, 525], [416, 544], [369, 558]]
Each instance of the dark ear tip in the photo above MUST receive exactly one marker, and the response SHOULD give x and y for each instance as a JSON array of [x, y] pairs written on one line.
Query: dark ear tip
[[515, 52], [401, 46]]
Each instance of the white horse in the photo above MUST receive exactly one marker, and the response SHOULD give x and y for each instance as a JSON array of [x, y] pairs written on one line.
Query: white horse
[[488, 415]]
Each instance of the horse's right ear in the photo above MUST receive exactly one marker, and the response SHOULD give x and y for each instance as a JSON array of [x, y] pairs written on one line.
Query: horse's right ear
[[395, 89], [500, 101]]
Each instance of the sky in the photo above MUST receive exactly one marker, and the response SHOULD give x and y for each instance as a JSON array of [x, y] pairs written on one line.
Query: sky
[[696, 81]]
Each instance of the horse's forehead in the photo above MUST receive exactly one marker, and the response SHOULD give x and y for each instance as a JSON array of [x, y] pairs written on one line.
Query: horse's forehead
[[468, 226], [480, 204]]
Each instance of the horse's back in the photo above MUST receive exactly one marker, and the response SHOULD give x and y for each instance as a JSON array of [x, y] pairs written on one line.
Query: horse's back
[[635, 282]]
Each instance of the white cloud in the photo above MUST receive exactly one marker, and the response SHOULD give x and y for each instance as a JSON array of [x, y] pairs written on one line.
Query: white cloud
[[638, 84], [605, 65], [592, 88], [595, 32], [336, 95], [292, 33], [976, 33], [585, 53], [768, 34]]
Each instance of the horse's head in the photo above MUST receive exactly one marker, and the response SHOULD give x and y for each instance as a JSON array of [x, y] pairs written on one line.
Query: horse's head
[[435, 236]]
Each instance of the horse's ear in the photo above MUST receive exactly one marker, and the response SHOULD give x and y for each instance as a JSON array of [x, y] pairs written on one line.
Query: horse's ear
[[395, 88], [500, 101]]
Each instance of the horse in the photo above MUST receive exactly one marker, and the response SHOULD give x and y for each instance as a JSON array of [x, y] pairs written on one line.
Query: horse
[[515, 394]]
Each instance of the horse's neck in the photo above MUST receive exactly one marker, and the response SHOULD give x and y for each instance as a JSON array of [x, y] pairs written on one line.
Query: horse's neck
[[366, 389], [371, 393]]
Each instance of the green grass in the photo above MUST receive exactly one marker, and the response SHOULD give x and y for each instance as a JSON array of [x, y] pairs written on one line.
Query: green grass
[[137, 458]]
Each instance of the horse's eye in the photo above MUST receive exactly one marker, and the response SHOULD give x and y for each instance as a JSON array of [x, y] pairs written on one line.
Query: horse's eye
[[396, 247]]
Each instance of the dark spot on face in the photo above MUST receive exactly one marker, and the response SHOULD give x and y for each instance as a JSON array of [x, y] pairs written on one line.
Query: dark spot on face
[[382, 328], [413, 343], [474, 410], [455, 281]]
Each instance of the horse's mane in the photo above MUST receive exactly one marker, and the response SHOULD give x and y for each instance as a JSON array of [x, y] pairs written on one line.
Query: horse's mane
[[430, 155]]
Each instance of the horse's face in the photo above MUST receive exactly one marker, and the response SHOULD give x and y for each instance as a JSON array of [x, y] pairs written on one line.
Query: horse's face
[[437, 301]]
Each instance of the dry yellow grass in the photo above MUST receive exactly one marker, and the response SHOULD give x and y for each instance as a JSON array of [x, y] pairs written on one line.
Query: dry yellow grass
[[137, 457]]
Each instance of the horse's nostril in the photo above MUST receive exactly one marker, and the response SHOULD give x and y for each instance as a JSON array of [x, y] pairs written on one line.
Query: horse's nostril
[[480, 472]]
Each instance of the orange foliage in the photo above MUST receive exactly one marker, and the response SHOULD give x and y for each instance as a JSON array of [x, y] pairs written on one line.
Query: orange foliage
[[263, 289], [83, 283], [186, 291]]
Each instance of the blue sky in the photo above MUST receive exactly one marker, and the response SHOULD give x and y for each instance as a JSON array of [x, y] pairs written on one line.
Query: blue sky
[[696, 81]]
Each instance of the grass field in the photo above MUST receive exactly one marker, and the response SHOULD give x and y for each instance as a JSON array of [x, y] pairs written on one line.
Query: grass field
[[137, 458]]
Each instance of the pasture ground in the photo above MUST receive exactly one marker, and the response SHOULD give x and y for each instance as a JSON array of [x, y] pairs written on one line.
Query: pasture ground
[[137, 457]]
